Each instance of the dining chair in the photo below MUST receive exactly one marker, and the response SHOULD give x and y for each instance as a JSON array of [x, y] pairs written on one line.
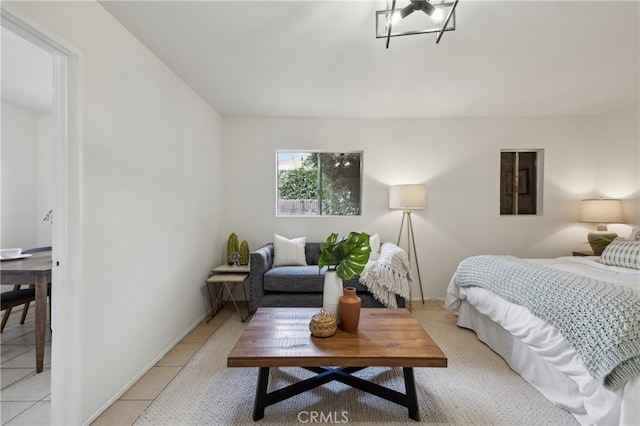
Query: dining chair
[[16, 297], [22, 296]]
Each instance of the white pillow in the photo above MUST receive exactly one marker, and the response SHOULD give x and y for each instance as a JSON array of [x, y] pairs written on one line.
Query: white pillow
[[374, 243], [289, 252], [622, 253], [634, 235]]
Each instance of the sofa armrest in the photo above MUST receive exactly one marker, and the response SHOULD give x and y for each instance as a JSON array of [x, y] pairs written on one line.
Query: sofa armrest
[[261, 262]]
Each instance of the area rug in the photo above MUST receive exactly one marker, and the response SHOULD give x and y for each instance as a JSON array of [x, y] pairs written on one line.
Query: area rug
[[477, 388]]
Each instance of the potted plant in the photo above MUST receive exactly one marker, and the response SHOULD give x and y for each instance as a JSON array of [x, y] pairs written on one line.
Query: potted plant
[[344, 258]]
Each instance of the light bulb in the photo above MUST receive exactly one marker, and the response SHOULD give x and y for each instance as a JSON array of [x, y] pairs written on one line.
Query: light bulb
[[437, 16], [395, 18]]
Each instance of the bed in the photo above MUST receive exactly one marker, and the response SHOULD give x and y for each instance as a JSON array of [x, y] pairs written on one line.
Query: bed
[[570, 326]]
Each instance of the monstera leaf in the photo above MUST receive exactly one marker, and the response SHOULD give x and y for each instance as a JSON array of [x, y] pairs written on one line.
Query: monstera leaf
[[347, 256]]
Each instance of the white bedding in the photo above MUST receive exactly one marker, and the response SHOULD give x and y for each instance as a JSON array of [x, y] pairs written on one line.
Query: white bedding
[[538, 352]]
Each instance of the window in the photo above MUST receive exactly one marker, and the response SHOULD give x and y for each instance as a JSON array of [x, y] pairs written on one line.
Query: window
[[519, 182], [318, 183]]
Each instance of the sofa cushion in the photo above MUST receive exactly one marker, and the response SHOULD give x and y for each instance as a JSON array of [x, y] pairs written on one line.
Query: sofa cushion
[[288, 251], [301, 279], [294, 279], [312, 253]]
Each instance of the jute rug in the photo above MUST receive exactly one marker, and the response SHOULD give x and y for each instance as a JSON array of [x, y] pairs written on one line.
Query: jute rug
[[477, 387]]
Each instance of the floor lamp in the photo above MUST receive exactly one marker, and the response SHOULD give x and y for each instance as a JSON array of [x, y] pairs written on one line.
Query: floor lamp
[[408, 198]]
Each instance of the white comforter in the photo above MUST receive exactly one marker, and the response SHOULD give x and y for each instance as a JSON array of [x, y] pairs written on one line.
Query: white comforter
[[586, 398]]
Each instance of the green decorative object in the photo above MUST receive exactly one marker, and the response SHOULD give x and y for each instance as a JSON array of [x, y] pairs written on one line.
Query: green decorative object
[[232, 246], [601, 241], [244, 253], [48, 217], [347, 256]]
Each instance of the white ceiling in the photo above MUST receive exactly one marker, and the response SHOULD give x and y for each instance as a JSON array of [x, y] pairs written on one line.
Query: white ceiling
[[321, 58], [27, 74]]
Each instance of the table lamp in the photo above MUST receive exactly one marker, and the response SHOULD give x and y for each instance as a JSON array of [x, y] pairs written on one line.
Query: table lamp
[[601, 211]]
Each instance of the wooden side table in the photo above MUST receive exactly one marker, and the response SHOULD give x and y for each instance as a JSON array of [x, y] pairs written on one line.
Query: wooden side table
[[226, 277], [584, 253]]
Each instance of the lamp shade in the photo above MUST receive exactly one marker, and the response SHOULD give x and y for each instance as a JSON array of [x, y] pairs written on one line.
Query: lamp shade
[[601, 210], [413, 197]]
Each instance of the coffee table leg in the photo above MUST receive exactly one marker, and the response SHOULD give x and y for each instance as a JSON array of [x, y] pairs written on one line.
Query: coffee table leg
[[261, 393], [412, 397]]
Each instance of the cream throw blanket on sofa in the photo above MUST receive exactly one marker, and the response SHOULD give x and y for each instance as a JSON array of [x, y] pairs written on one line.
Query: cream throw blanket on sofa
[[389, 275]]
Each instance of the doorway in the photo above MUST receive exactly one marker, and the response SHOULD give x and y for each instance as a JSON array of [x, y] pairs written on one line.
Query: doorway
[[65, 228]]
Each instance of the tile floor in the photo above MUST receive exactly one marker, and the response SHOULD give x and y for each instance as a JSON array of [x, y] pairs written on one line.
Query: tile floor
[[134, 401], [25, 398]]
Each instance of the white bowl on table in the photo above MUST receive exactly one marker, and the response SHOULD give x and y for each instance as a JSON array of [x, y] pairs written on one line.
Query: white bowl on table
[[10, 253]]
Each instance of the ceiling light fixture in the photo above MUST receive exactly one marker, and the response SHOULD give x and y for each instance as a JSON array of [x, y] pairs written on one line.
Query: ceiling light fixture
[[391, 21]]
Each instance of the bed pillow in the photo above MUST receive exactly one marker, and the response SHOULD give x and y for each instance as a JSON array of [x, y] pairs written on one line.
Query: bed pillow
[[622, 253], [374, 243], [289, 252], [634, 235]]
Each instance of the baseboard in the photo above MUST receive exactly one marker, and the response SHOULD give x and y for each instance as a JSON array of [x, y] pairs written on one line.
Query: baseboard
[[144, 371]]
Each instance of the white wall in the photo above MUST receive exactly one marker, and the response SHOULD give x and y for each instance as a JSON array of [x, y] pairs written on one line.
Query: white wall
[[26, 178], [150, 204], [44, 161], [457, 159], [159, 202], [617, 161]]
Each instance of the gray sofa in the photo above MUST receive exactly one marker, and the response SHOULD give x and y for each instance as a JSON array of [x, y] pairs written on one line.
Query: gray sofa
[[295, 285]]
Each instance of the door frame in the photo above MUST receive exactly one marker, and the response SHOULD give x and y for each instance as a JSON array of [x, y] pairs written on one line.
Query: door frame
[[67, 229]]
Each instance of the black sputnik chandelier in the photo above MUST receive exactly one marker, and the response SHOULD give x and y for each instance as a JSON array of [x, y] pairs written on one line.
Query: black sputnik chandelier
[[397, 21]]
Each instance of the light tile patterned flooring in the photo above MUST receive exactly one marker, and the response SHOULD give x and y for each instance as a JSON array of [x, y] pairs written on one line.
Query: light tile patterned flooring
[[134, 401], [25, 398]]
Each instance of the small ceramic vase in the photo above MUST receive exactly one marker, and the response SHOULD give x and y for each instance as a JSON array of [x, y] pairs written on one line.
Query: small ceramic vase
[[349, 310]]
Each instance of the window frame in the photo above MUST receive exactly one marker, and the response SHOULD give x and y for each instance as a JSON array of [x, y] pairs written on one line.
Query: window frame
[[516, 182], [320, 213]]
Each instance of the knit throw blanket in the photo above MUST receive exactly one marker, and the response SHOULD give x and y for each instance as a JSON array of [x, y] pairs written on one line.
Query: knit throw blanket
[[601, 321], [389, 275]]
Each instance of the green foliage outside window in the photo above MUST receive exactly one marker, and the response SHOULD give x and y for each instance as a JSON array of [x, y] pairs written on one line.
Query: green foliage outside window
[[318, 183], [299, 183], [341, 184]]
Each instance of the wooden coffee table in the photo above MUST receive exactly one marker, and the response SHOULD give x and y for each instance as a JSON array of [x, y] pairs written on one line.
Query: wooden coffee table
[[280, 337]]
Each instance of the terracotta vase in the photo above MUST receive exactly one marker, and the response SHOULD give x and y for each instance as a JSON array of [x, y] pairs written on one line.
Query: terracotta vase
[[332, 293], [349, 310]]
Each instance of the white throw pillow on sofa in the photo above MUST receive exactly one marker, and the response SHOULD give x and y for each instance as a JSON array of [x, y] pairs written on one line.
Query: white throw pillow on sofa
[[374, 243], [289, 252]]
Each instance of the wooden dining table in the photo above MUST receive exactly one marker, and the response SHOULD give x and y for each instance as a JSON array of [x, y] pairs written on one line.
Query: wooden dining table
[[34, 270]]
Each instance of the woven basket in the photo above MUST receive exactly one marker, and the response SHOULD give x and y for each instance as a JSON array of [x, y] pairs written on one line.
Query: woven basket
[[323, 324]]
